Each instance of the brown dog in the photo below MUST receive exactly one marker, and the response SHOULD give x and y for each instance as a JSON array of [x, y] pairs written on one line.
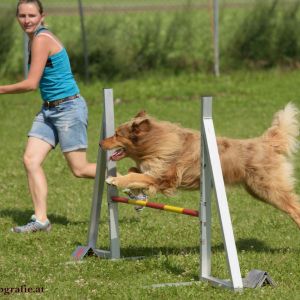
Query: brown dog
[[167, 157]]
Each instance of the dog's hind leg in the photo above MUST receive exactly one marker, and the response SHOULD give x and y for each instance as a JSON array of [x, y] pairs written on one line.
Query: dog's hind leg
[[280, 196], [287, 202]]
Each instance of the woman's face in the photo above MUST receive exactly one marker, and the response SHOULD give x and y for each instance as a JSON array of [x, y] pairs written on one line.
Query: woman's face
[[29, 17]]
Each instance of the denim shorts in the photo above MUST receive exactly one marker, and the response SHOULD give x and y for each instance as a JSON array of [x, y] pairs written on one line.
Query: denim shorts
[[65, 124]]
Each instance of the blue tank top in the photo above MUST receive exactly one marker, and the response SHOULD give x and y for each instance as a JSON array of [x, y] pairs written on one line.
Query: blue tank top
[[57, 81]]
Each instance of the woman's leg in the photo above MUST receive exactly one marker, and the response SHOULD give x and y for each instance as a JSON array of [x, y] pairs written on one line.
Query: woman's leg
[[79, 165], [35, 153]]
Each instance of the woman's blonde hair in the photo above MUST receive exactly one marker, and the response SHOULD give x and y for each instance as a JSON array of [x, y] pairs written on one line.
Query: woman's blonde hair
[[37, 2]]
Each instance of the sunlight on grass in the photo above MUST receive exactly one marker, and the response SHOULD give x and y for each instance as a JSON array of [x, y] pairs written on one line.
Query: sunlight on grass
[[266, 239]]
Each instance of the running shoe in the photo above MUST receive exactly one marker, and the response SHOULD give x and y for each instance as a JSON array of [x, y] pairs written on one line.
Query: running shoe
[[33, 226]]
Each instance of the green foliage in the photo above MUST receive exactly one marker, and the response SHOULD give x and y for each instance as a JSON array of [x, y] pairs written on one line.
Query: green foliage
[[287, 42], [6, 34], [126, 46], [252, 42], [268, 36]]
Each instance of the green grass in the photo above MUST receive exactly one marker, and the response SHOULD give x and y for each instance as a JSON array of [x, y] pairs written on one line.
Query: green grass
[[266, 239]]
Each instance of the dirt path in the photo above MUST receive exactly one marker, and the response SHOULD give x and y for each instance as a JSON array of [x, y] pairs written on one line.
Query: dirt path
[[97, 8], [65, 9]]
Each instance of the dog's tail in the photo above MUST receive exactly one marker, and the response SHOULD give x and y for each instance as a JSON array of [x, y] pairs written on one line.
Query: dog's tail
[[284, 131]]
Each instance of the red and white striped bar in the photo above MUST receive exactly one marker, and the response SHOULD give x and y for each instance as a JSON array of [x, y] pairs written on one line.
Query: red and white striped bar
[[161, 206]]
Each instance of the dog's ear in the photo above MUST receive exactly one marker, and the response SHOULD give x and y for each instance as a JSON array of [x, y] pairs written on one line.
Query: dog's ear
[[141, 114], [142, 126]]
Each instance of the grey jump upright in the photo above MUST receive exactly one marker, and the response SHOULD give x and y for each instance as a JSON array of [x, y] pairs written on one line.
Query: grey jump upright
[[105, 167], [212, 178]]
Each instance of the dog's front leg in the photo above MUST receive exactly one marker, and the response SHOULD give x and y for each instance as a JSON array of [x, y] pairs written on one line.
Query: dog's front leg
[[132, 181]]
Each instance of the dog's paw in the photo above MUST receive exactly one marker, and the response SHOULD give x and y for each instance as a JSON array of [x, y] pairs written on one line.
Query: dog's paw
[[111, 180]]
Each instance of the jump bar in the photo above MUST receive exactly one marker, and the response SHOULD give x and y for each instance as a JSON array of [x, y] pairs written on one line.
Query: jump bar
[[174, 209]]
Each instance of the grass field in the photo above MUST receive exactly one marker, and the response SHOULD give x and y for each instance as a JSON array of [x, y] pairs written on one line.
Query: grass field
[[266, 239]]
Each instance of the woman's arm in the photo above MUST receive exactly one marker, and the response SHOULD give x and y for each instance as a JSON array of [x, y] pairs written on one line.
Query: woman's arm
[[39, 54]]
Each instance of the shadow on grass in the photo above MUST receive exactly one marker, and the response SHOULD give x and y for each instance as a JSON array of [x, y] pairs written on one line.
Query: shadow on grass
[[157, 251], [255, 245], [21, 217], [247, 245]]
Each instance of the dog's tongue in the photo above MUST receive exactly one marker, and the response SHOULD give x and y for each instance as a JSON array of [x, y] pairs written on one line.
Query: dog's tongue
[[117, 155]]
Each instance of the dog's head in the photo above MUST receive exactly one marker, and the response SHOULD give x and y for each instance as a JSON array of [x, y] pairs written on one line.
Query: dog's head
[[128, 137]]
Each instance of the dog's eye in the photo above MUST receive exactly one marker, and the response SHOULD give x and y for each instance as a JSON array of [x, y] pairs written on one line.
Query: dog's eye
[[120, 133]]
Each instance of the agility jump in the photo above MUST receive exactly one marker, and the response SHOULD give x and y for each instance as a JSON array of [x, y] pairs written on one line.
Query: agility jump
[[165, 207], [212, 179]]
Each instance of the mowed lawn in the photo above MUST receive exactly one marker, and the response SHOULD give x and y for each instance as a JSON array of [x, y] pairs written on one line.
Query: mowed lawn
[[266, 239]]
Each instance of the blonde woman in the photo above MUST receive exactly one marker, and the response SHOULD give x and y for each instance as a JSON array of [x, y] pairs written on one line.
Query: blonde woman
[[62, 118]]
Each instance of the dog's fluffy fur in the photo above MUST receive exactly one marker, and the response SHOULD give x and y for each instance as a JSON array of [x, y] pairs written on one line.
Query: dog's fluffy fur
[[167, 157]]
